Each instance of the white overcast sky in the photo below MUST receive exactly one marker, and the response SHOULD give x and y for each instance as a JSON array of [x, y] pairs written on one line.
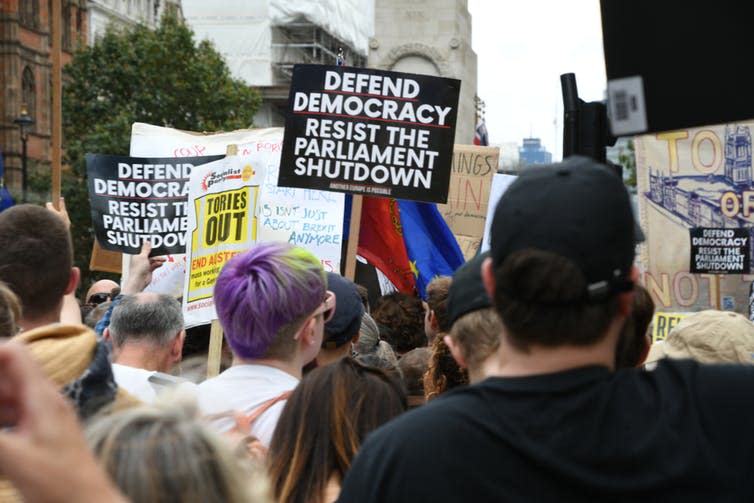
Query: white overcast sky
[[522, 47]]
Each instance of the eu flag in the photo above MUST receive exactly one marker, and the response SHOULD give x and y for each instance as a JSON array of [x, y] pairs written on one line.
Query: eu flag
[[431, 247]]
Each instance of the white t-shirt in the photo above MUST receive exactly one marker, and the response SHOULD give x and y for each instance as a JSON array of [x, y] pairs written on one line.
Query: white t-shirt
[[135, 381], [243, 388]]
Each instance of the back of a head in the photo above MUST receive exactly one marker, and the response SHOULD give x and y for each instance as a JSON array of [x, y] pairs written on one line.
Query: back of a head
[[263, 295], [562, 244], [35, 257], [443, 372], [146, 317], [413, 365], [475, 326], [633, 342], [478, 335], [401, 317], [324, 423], [370, 343], [165, 455], [346, 321], [709, 336], [437, 300], [390, 367]]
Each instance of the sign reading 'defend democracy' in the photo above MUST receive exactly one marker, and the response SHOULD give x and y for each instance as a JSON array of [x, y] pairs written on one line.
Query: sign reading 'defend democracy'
[[370, 132], [720, 251], [134, 199]]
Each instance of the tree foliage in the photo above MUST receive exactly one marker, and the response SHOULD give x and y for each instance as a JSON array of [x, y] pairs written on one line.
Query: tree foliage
[[156, 76], [627, 159]]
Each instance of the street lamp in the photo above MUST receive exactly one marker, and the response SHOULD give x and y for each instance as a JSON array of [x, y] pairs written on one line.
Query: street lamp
[[24, 123]]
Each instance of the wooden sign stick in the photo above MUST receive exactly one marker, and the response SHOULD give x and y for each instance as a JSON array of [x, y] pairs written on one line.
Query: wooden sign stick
[[215, 350], [353, 237]]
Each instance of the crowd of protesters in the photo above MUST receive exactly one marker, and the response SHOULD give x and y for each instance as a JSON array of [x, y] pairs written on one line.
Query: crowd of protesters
[[526, 376]]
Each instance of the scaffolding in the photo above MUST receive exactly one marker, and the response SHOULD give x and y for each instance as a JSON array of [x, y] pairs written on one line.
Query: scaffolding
[[303, 42]]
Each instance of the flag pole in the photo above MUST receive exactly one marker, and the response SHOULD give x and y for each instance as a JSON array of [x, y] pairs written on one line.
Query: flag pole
[[353, 236], [57, 109]]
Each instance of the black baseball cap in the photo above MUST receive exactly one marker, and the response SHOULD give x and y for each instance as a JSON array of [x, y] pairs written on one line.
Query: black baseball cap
[[346, 321], [578, 209], [467, 292]]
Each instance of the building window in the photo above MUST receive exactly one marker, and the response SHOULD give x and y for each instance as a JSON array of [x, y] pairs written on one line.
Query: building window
[[79, 21], [28, 94], [28, 13], [66, 27]]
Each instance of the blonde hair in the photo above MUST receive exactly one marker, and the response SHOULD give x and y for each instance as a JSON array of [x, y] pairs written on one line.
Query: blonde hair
[[162, 453], [10, 311], [478, 335]]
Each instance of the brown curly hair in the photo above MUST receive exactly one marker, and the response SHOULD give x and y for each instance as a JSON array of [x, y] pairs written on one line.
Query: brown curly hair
[[400, 318], [443, 373]]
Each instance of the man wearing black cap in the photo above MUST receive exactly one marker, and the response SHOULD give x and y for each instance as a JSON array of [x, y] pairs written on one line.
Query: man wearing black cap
[[474, 325], [555, 422], [343, 328]]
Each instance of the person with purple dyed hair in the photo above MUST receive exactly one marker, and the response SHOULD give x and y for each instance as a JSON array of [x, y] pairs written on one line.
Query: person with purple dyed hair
[[272, 303]]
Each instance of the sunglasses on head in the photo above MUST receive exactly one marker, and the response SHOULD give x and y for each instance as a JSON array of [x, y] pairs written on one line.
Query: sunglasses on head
[[327, 309], [98, 298]]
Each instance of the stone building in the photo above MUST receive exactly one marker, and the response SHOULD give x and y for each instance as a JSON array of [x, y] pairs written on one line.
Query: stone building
[[431, 37], [26, 69], [26, 65]]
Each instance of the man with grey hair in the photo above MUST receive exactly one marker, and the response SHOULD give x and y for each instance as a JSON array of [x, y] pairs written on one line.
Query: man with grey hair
[[146, 333]]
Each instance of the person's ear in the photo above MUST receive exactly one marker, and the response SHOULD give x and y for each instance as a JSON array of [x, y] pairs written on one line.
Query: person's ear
[[176, 349], [626, 299], [455, 350], [106, 335], [433, 321], [73, 281], [306, 334], [488, 277]]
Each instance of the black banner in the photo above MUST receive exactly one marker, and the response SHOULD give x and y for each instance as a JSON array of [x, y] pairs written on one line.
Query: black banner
[[135, 199], [720, 251], [370, 132]]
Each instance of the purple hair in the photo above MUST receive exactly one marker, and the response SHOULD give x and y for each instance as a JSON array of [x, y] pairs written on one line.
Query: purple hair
[[259, 292]]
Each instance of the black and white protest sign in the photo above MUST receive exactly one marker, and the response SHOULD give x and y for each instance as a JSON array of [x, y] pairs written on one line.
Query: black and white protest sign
[[134, 199], [720, 251], [370, 132]]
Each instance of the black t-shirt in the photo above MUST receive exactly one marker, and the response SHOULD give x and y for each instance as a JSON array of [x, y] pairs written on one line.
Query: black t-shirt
[[683, 432]]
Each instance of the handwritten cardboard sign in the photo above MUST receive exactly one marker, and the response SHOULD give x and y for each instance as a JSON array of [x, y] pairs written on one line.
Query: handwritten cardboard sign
[[471, 179]]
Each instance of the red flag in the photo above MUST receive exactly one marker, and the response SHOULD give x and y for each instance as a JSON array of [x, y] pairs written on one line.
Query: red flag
[[381, 241]]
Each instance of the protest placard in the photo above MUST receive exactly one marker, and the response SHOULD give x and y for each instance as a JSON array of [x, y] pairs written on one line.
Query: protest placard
[[309, 218], [370, 132], [663, 323], [266, 145], [693, 178], [500, 184], [719, 251], [222, 223], [135, 199], [471, 178]]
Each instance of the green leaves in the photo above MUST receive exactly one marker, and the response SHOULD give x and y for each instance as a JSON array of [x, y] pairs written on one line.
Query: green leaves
[[157, 76]]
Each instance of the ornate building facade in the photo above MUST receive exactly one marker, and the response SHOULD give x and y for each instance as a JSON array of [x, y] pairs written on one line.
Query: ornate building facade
[[26, 69], [430, 37]]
